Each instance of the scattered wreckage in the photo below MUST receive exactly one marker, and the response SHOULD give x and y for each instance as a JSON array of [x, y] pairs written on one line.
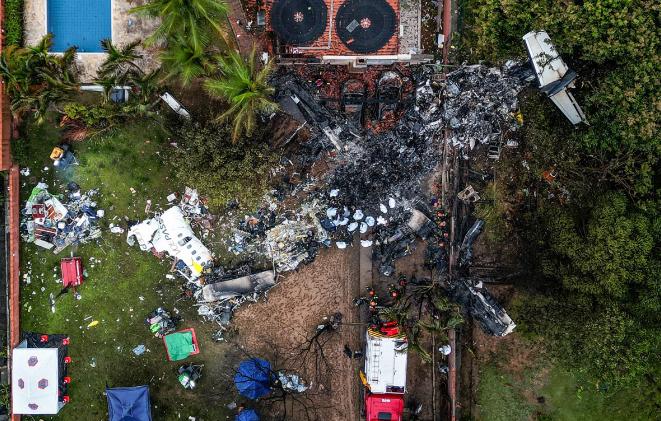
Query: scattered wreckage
[[371, 193], [171, 233], [480, 105], [54, 222], [553, 75], [476, 300]]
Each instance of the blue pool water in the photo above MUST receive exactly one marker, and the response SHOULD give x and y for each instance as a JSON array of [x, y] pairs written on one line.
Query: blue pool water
[[83, 23]]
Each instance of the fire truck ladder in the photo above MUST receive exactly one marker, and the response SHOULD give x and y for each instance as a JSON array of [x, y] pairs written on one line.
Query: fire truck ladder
[[374, 366]]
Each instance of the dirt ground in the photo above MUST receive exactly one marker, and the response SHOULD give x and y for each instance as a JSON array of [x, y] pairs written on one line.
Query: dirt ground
[[276, 328]]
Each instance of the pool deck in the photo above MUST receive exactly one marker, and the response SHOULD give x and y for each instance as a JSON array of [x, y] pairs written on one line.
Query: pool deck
[[125, 28]]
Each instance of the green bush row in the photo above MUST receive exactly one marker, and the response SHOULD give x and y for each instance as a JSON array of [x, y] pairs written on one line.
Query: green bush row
[[13, 23]]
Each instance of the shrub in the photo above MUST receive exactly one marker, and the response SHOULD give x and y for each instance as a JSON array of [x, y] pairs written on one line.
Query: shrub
[[207, 159]]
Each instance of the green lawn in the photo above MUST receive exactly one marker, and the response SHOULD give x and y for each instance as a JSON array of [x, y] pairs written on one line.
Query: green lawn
[[545, 391], [123, 284]]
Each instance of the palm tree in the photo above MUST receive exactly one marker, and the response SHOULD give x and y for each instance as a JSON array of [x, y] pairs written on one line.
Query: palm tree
[[35, 79], [120, 62], [184, 61], [197, 20], [147, 85], [244, 86]]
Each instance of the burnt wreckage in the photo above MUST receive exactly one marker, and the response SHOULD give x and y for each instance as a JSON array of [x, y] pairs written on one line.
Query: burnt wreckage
[[375, 185]]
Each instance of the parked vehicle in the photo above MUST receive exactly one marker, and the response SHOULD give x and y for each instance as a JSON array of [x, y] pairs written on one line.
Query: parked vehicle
[[353, 99], [385, 373], [389, 92]]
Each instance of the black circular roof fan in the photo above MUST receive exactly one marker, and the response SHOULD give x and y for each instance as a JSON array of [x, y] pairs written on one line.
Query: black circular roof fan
[[365, 26], [299, 22]]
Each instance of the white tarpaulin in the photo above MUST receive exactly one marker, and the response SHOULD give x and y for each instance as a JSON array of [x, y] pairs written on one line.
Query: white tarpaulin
[[34, 381]]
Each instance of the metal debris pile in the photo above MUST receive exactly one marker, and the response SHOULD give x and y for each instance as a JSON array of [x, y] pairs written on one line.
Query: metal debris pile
[[284, 241], [328, 128], [480, 102], [56, 222], [394, 163], [225, 291], [161, 322]]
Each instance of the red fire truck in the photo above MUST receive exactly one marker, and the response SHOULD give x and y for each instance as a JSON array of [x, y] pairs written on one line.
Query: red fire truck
[[385, 373]]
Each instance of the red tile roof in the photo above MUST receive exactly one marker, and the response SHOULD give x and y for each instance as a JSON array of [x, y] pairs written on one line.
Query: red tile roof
[[321, 46]]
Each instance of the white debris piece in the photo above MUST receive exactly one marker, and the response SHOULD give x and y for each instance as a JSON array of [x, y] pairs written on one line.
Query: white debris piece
[[363, 227], [115, 229], [172, 234]]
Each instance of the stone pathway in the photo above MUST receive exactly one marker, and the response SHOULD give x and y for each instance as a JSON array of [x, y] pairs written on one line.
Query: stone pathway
[[409, 26]]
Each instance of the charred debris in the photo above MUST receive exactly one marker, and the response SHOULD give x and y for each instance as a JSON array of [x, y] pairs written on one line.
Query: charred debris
[[373, 191]]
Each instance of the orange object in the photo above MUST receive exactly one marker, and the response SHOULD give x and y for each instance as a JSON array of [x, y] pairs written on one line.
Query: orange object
[[56, 153]]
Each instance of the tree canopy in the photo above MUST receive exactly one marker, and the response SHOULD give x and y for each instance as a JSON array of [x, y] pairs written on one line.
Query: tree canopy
[[197, 20], [614, 47], [222, 170], [243, 84], [596, 295], [34, 79]]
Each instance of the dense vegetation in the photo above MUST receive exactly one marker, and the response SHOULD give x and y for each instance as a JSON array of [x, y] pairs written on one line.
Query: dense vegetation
[[596, 228], [34, 79], [221, 169], [13, 22], [196, 46]]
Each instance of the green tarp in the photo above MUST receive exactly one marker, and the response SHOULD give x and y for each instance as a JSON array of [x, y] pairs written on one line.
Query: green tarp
[[179, 345]]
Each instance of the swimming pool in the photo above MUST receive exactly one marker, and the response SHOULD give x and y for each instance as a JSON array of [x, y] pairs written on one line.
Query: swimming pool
[[83, 23]]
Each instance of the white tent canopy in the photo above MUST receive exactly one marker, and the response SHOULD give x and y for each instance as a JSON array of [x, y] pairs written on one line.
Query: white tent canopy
[[35, 378]]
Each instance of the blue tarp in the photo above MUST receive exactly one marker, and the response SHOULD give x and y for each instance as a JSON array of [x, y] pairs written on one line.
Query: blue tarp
[[129, 404], [247, 415], [253, 379]]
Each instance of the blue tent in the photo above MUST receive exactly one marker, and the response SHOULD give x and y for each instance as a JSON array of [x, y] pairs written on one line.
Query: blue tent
[[247, 415], [253, 379], [129, 404]]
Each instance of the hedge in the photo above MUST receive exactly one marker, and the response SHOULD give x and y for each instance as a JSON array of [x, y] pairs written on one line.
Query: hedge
[[13, 24]]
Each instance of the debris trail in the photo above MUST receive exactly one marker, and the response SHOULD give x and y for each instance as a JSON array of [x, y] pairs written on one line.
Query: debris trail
[[480, 102]]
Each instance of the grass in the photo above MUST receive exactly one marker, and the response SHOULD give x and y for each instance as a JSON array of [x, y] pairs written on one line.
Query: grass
[[500, 397], [123, 284], [494, 209], [545, 391]]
